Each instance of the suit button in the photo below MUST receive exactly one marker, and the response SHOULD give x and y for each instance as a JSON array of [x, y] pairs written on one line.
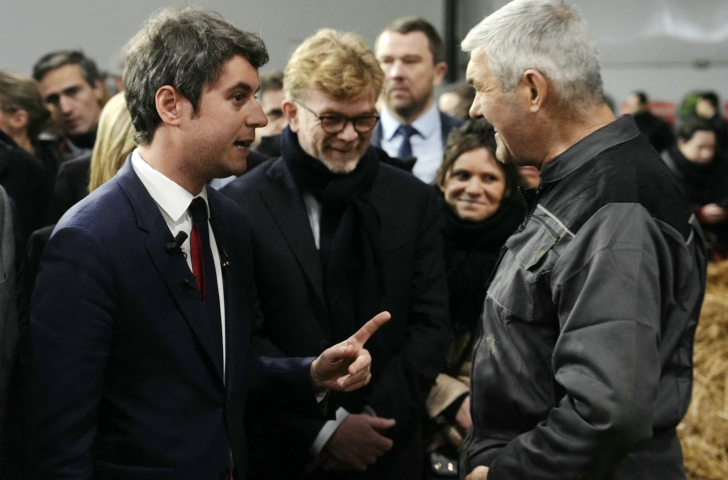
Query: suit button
[[225, 474]]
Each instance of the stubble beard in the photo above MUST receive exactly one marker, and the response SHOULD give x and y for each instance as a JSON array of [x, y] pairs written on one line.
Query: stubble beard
[[340, 167], [412, 109]]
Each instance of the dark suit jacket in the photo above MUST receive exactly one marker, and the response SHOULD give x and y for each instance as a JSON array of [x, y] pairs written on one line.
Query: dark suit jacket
[[447, 123], [407, 353], [122, 382], [71, 186]]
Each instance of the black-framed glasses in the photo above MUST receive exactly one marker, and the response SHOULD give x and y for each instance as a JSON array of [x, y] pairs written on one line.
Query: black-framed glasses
[[333, 123]]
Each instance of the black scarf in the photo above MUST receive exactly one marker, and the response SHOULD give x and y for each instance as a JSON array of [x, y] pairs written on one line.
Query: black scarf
[[350, 234], [471, 252]]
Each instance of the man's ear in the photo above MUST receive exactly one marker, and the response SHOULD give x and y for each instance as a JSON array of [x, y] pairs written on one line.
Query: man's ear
[[440, 71], [680, 142], [535, 89], [290, 110], [171, 106], [98, 90]]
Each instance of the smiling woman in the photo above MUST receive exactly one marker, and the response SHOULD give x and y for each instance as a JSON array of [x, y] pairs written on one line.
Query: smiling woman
[[479, 214]]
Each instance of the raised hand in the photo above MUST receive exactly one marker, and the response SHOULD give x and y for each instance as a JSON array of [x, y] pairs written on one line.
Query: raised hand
[[347, 366]]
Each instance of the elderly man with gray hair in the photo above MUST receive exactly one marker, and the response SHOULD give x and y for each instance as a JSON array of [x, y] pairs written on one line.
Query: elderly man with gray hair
[[583, 365]]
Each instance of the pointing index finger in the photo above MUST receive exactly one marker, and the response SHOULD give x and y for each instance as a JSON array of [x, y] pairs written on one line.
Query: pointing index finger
[[366, 331]]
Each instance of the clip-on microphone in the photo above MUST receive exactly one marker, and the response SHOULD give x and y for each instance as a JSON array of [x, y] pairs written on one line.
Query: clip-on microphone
[[175, 246]]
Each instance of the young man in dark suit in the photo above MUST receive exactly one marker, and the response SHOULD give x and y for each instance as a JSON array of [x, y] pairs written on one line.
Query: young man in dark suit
[[141, 317], [338, 235]]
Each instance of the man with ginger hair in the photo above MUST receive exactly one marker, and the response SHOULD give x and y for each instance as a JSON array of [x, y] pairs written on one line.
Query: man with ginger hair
[[583, 365], [338, 235]]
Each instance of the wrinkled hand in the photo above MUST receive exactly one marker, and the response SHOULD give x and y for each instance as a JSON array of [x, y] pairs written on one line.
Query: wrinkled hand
[[357, 443], [463, 416], [712, 214], [480, 473], [347, 365]]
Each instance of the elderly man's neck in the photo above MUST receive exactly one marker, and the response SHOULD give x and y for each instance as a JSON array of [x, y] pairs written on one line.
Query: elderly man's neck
[[565, 131]]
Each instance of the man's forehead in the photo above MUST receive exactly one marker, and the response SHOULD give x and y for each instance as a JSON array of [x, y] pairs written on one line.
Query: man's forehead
[[349, 106], [237, 73], [61, 78], [477, 70], [402, 43]]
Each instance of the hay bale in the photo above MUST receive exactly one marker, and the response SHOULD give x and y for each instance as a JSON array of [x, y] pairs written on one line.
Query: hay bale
[[704, 430]]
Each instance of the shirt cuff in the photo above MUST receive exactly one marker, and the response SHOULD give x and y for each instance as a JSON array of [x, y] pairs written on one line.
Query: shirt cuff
[[321, 396], [369, 410], [325, 433]]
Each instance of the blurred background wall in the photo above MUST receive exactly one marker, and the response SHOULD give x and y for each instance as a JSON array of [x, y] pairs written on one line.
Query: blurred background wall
[[665, 47]]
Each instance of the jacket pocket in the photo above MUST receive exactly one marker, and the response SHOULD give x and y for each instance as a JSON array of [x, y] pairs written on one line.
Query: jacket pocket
[[113, 471]]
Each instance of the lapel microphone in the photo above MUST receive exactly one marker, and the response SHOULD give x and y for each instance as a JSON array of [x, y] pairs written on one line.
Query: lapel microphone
[[175, 246]]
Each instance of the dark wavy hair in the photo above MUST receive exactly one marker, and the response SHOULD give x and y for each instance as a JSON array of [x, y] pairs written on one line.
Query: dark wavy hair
[[474, 134], [185, 48], [53, 60]]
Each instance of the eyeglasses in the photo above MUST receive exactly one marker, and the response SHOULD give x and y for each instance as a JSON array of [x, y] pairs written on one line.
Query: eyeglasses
[[333, 123]]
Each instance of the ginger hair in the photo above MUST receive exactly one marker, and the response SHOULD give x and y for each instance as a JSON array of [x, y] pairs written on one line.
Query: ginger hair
[[337, 63]]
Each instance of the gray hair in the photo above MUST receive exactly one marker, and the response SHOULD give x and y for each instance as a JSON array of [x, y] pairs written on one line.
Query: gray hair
[[544, 35], [185, 48]]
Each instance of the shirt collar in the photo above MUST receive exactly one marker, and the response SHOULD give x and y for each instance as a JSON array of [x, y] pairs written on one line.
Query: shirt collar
[[620, 131], [426, 124], [170, 196]]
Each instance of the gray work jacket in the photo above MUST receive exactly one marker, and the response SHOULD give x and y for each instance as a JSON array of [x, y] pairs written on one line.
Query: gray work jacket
[[583, 367]]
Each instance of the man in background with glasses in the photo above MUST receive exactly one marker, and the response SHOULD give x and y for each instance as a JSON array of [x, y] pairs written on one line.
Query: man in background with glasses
[[338, 235]]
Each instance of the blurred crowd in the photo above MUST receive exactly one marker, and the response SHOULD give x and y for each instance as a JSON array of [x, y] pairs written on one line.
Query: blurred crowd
[[428, 178]]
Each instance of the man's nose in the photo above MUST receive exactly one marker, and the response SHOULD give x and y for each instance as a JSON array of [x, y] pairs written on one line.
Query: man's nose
[[397, 70], [65, 104], [348, 134], [257, 117], [475, 111]]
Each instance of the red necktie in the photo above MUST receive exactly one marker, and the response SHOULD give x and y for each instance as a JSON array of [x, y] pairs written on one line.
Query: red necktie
[[203, 266]]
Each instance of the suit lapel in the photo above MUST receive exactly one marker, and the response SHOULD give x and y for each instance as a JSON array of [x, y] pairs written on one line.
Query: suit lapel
[[284, 202], [171, 266]]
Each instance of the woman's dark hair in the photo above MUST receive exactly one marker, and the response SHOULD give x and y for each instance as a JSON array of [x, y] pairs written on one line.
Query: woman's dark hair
[[185, 48], [687, 129], [471, 135]]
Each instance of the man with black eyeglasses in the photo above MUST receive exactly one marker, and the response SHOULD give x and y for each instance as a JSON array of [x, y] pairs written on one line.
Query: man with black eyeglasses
[[337, 234]]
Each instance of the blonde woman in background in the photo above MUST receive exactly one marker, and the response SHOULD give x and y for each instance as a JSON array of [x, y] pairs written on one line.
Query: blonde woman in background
[[114, 142]]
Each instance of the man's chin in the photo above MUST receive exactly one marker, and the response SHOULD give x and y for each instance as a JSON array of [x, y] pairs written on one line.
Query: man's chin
[[341, 164]]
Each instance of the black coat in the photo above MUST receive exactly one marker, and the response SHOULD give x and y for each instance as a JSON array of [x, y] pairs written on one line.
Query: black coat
[[408, 352], [23, 177], [71, 186]]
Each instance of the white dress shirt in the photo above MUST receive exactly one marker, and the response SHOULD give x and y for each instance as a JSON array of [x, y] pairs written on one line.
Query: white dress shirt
[[173, 201], [426, 145]]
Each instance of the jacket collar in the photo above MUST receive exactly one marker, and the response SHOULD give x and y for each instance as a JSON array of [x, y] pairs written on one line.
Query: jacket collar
[[620, 131]]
